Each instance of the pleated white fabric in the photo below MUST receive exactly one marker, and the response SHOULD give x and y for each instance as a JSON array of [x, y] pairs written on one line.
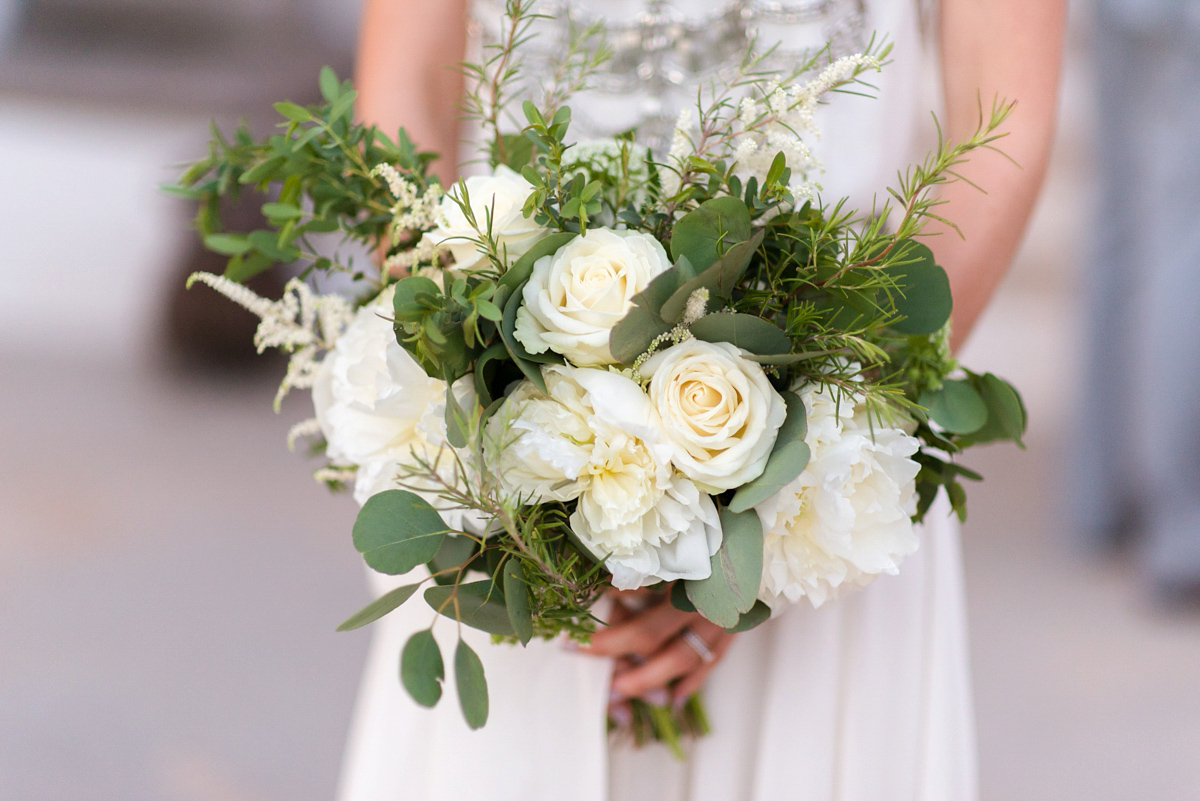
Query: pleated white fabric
[[865, 699]]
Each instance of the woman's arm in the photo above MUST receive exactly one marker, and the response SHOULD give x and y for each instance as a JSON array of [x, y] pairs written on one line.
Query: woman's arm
[[1011, 49], [406, 75]]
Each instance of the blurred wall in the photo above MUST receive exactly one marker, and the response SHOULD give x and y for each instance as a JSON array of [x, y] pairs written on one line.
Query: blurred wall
[[102, 101]]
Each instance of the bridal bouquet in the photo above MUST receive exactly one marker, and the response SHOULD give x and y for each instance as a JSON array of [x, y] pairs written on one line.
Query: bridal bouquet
[[591, 366]]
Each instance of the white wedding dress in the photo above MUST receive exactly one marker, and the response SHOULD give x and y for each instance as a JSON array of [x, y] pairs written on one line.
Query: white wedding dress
[[865, 699]]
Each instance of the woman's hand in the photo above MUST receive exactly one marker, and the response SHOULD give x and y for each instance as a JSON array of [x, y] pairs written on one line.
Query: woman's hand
[[655, 660]]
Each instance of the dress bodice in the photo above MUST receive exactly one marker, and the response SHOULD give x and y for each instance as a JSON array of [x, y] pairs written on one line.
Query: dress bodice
[[664, 49]]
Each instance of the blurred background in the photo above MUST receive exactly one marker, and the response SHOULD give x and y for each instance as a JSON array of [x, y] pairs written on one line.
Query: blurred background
[[170, 578]]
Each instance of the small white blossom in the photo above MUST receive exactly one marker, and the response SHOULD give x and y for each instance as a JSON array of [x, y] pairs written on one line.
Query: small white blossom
[[302, 323]]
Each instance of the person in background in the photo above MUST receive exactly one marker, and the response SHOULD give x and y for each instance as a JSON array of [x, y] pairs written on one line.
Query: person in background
[[1138, 450]]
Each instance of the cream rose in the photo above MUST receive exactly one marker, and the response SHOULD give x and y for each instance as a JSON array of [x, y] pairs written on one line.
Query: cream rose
[[846, 518], [575, 297], [719, 413], [502, 195]]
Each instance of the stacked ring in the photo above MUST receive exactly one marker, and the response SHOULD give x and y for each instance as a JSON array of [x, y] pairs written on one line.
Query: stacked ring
[[697, 644]]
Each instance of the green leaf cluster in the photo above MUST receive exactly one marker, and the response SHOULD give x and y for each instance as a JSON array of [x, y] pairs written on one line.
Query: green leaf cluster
[[317, 174]]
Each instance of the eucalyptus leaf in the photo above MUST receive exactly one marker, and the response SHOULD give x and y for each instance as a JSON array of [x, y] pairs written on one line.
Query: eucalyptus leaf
[[455, 552], [516, 350], [472, 685], [633, 336], [396, 530], [228, 244], [480, 606], [1006, 417], [422, 669], [485, 366], [759, 613], [957, 407], [732, 589], [404, 299], [379, 607], [924, 298], [679, 598], [706, 233], [784, 465], [458, 425], [789, 456], [516, 600], [719, 279], [744, 331]]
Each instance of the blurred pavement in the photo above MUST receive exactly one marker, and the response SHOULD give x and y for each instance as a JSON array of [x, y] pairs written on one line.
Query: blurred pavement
[[170, 577]]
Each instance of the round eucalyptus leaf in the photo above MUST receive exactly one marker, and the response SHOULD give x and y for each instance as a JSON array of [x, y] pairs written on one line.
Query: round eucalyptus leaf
[[704, 234], [923, 297], [759, 613], [956, 407], [732, 588], [480, 605], [396, 530], [421, 668]]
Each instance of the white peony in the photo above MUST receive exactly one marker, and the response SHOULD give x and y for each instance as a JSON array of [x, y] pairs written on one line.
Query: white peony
[[846, 518], [575, 297], [502, 195], [594, 438], [720, 414], [379, 411], [537, 445]]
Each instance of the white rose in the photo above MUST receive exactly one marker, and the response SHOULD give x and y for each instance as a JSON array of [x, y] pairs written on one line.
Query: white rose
[[379, 411], [502, 195], [575, 297], [719, 412], [846, 518]]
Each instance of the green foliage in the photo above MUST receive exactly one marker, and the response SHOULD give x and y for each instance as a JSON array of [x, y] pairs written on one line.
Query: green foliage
[[396, 530], [707, 233], [379, 607], [421, 668], [922, 293], [732, 589], [956, 406], [788, 458], [478, 604], [472, 685], [759, 613], [516, 600], [317, 171], [743, 330]]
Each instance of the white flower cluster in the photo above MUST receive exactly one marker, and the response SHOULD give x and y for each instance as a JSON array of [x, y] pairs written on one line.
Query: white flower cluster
[[777, 122], [412, 210], [301, 322], [382, 415], [640, 453], [847, 518]]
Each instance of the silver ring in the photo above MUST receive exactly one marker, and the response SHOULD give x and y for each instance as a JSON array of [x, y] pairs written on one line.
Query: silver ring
[[697, 644]]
